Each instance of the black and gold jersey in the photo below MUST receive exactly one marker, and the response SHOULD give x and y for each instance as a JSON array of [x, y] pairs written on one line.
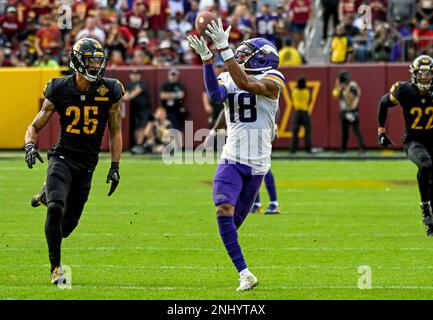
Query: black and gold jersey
[[417, 110], [83, 116]]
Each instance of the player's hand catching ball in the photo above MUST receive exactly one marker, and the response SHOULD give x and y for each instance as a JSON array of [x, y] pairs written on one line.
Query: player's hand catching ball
[[32, 154], [113, 177], [199, 45], [218, 35]]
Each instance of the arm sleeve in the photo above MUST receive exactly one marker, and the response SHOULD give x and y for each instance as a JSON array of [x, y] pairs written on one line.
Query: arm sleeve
[[382, 111], [217, 93]]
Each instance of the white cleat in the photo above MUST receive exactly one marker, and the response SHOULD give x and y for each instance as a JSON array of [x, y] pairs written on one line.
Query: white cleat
[[247, 282]]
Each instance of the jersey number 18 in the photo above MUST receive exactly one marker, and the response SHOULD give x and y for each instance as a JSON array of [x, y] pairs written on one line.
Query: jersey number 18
[[247, 111]]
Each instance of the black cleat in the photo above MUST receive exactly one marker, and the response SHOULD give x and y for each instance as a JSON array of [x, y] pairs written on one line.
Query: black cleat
[[427, 217], [39, 198]]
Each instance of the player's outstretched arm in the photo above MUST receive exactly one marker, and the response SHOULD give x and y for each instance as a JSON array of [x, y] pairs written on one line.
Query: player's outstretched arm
[[387, 101], [114, 125], [217, 93], [32, 133], [244, 82]]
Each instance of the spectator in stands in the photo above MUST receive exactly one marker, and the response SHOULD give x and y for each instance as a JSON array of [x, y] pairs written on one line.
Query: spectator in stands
[[383, 43], [352, 30], [423, 37], [10, 24], [265, 23], [120, 39], [91, 30], [362, 44], [209, 4], [213, 109], [172, 93], [192, 14], [165, 56], [136, 19], [379, 9], [179, 26], [48, 37], [424, 9], [156, 132], [4, 60], [301, 98], [348, 94], [301, 12], [77, 26], [400, 34], [404, 9], [341, 46], [139, 102], [348, 7], [45, 60], [289, 55], [158, 11], [116, 59], [282, 27], [330, 8], [242, 22], [84, 8]]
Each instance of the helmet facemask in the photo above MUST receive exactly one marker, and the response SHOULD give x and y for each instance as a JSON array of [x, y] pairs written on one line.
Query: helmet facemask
[[91, 67], [422, 78], [257, 55]]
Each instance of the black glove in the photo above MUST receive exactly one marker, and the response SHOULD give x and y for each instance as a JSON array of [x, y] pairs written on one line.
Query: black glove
[[32, 154], [113, 177], [384, 140]]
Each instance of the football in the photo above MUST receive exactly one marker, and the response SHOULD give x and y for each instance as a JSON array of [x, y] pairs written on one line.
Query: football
[[202, 20]]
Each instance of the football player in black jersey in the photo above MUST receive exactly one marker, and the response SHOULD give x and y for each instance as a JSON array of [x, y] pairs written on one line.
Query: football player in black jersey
[[416, 99], [85, 102]]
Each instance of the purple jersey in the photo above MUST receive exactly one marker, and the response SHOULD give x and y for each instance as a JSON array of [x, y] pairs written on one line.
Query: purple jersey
[[265, 25]]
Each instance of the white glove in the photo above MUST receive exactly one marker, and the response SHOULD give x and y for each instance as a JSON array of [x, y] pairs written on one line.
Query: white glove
[[199, 45], [218, 35]]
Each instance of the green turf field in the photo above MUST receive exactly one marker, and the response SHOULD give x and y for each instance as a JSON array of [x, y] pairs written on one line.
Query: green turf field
[[157, 237]]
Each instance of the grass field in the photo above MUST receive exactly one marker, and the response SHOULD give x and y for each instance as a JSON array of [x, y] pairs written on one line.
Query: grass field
[[157, 237]]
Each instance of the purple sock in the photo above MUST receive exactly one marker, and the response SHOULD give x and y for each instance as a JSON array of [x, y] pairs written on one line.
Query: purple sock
[[229, 235], [270, 186]]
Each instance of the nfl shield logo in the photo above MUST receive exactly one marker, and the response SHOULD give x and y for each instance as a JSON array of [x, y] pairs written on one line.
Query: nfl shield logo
[[423, 101], [83, 97]]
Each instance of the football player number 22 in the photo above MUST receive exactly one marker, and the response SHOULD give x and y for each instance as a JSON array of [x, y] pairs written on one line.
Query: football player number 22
[[419, 112], [90, 124], [247, 111]]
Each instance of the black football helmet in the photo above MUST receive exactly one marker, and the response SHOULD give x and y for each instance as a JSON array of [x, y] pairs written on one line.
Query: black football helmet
[[88, 58], [421, 71]]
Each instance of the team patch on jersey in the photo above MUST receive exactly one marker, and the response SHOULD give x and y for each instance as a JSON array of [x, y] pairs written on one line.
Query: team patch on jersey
[[102, 90]]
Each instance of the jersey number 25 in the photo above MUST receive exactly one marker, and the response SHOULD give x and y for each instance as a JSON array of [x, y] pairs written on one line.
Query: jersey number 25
[[247, 111]]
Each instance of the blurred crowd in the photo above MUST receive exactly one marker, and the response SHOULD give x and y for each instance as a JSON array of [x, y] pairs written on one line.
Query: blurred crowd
[[398, 30], [135, 32]]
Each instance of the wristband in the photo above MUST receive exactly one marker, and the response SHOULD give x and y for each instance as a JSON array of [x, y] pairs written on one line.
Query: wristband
[[227, 54], [207, 56]]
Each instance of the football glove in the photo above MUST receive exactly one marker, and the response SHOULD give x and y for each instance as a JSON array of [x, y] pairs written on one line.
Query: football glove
[[113, 177], [199, 46], [384, 140], [32, 154], [216, 32]]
